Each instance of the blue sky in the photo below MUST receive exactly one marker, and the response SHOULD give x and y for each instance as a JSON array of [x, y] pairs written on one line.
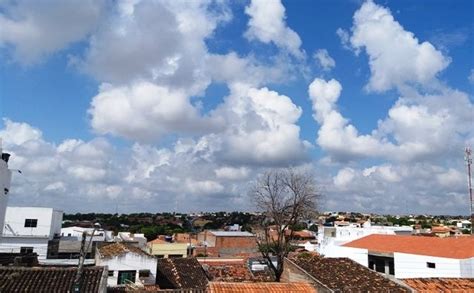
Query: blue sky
[[148, 104]]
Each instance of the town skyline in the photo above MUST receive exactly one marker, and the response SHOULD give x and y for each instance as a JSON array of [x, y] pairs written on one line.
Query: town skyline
[[136, 106]]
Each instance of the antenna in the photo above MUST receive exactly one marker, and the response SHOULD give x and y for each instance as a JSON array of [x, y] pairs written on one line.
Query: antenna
[[468, 160]]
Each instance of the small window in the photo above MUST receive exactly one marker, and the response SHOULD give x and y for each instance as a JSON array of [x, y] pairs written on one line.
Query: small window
[[144, 273], [26, 250], [160, 256], [431, 265], [31, 223], [111, 273]]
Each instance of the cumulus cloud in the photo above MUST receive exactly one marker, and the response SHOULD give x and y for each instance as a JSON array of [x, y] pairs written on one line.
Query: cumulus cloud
[[35, 29], [145, 111], [324, 60], [267, 24], [396, 56]]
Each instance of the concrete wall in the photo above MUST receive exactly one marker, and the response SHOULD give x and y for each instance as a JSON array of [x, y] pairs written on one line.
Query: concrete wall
[[129, 262], [5, 179], [166, 249], [358, 255], [467, 268], [14, 244], [49, 221], [415, 266]]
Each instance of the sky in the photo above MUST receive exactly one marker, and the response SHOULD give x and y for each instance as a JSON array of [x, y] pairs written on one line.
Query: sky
[[128, 105]]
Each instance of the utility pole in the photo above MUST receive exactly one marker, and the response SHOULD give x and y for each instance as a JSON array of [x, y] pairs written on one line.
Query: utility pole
[[469, 184], [77, 280]]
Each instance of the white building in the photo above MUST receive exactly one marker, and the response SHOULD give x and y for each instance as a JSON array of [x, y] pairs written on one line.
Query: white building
[[139, 239], [5, 180], [126, 263], [75, 234], [29, 229], [330, 239], [414, 256]]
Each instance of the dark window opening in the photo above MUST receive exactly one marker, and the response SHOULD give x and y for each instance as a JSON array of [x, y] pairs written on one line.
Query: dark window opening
[[26, 250], [144, 273], [431, 265], [160, 256], [31, 223], [126, 277], [111, 273], [175, 255]]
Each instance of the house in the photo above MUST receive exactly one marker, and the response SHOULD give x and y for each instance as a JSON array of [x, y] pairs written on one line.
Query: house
[[441, 285], [415, 256], [75, 233], [337, 275], [330, 239], [139, 240], [31, 229], [270, 287], [180, 273], [441, 231], [166, 248], [227, 243], [39, 279], [126, 264]]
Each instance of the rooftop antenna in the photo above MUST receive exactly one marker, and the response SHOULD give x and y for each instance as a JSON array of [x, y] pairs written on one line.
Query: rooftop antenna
[[468, 160]]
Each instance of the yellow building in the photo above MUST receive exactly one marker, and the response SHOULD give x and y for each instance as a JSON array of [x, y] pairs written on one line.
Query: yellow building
[[165, 249]]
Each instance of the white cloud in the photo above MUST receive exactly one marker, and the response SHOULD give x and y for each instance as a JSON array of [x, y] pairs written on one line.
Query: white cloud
[[36, 29], [343, 178], [396, 56], [232, 173], [267, 24], [324, 60], [145, 111], [344, 37], [471, 77]]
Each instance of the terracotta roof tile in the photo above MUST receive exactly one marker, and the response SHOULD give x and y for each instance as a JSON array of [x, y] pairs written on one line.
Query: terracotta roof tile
[[45, 280], [454, 285], [119, 248], [345, 275], [450, 247], [180, 273], [221, 287]]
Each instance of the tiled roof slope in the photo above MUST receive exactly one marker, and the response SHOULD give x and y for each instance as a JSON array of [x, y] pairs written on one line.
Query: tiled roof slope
[[222, 287], [454, 285], [180, 273], [119, 248], [449, 247], [345, 275], [48, 280]]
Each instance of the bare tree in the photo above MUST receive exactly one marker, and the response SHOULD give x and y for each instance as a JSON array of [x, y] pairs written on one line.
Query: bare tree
[[285, 196]]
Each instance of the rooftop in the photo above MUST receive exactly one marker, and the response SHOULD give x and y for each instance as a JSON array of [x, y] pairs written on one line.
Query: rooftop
[[48, 279], [232, 233], [449, 247], [441, 285], [119, 248], [222, 287], [345, 275], [180, 273]]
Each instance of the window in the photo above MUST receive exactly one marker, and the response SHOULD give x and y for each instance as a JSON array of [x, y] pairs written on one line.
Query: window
[[431, 265], [144, 273], [160, 256], [31, 223], [111, 273], [26, 250], [126, 277]]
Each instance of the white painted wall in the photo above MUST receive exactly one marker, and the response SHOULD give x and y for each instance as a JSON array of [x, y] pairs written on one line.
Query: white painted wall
[[467, 268], [358, 255], [76, 233], [5, 179], [14, 244], [129, 262], [49, 221], [414, 266]]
